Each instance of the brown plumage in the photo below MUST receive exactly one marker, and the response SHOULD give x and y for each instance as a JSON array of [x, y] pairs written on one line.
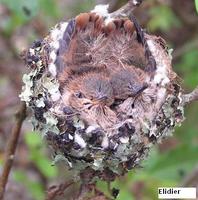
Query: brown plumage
[[103, 63], [109, 28], [98, 44], [91, 95], [128, 82], [129, 26], [93, 86], [82, 20]]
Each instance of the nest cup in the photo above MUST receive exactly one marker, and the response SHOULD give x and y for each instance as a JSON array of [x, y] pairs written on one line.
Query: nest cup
[[89, 148]]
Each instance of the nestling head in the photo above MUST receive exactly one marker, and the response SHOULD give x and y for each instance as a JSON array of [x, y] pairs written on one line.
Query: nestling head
[[91, 95], [128, 82], [91, 89]]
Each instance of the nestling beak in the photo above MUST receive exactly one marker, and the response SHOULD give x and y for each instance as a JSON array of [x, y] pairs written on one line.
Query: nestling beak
[[140, 90], [100, 100], [143, 88]]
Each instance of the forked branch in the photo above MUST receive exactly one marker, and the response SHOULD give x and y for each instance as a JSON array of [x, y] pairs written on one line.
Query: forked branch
[[11, 148], [193, 96], [126, 9]]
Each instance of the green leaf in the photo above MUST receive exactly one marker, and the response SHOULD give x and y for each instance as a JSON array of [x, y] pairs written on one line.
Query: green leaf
[[26, 9], [19, 176], [33, 139], [187, 133], [37, 155], [163, 18], [196, 5], [35, 188], [82, 6], [124, 194], [169, 165], [44, 165], [187, 68], [50, 8], [21, 11]]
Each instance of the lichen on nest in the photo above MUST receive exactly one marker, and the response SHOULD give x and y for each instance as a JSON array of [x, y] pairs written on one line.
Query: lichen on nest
[[87, 142]]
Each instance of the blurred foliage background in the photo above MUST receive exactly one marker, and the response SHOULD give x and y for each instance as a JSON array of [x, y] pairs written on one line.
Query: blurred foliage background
[[169, 163]]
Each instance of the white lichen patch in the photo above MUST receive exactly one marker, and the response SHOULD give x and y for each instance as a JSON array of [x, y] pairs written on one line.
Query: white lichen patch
[[32, 51], [91, 128], [79, 140], [124, 140], [98, 164], [105, 142], [57, 33], [78, 123], [59, 158], [163, 63], [52, 86], [70, 137], [101, 9], [50, 119], [40, 103], [161, 95], [27, 88]]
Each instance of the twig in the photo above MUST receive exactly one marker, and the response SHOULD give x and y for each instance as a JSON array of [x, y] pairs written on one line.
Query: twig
[[185, 48], [58, 190], [191, 180], [126, 9], [11, 148], [84, 189], [193, 96], [88, 188], [112, 5]]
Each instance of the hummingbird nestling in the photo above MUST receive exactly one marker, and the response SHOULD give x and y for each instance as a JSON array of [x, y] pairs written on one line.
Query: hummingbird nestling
[[91, 95], [101, 65], [128, 81]]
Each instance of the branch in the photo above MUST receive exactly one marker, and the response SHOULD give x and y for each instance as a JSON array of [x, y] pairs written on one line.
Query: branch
[[126, 9], [58, 190], [11, 148], [193, 96], [193, 44], [191, 179], [85, 189]]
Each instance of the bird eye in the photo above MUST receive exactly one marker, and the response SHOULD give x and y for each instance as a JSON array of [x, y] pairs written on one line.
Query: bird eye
[[79, 95], [86, 103]]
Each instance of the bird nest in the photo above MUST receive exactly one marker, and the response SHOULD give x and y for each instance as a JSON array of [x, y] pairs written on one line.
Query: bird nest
[[101, 92]]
